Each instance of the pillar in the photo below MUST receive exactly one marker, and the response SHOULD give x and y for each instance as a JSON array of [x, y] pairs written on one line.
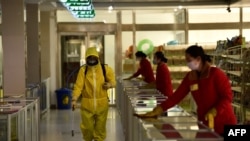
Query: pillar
[[33, 51], [50, 58], [13, 42]]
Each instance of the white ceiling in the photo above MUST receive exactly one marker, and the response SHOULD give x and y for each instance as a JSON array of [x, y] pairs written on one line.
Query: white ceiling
[[144, 4]]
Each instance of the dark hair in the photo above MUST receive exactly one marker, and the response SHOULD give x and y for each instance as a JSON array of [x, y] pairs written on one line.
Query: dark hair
[[160, 55], [196, 51], [140, 54]]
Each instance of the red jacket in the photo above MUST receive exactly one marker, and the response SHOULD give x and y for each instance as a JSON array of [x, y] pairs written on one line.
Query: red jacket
[[163, 80], [146, 71], [210, 90]]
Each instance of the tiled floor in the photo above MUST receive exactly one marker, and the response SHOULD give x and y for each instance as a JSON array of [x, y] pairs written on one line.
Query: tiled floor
[[56, 125]]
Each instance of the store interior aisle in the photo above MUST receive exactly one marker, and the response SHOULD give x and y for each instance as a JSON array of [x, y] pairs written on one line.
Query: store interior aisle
[[56, 125]]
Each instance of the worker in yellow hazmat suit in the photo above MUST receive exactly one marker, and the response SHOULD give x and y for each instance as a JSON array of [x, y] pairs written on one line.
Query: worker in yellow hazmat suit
[[94, 99]]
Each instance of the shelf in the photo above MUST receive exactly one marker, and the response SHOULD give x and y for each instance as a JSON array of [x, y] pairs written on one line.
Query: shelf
[[236, 57], [236, 105], [236, 73], [176, 58], [176, 81], [73, 55], [178, 69], [238, 62], [237, 89]]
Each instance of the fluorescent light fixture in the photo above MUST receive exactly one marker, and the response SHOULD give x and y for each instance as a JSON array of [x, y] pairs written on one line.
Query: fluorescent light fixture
[[110, 7]]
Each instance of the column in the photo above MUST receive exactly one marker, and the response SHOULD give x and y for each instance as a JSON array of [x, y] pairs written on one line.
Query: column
[[13, 41], [33, 51], [118, 49], [50, 54]]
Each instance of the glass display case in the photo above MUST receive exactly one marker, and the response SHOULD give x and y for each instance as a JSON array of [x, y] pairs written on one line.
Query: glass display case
[[174, 124], [19, 119]]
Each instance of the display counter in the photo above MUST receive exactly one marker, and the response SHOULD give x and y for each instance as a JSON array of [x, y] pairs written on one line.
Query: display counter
[[174, 124], [19, 119]]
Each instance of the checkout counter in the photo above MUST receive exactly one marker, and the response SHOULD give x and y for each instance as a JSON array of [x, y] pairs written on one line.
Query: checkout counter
[[174, 125], [19, 119]]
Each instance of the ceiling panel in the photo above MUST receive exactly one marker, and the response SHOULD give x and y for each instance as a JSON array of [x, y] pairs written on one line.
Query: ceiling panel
[[142, 4]]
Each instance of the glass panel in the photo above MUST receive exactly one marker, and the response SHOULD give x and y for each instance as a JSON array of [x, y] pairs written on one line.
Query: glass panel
[[3, 128], [211, 36], [246, 34], [155, 16], [71, 46], [127, 17], [29, 125], [1, 61], [246, 13], [22, 123], [14, 129], [105, 16], [35, 123], [214, 15]]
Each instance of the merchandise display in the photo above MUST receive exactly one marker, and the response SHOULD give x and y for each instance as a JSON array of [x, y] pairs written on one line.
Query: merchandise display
[[173, 124], [235, 61]]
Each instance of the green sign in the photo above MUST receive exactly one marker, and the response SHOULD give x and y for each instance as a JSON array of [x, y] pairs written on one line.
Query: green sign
[[87, 12], [80, 8], [76, 4], [75, 1], [84, 16]]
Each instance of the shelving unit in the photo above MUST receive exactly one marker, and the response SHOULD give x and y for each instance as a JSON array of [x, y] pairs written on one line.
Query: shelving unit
[[235, 61]]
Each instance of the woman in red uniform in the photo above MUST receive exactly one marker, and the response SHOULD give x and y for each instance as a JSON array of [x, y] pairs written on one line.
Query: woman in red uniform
[[210, 89], [145, 68], [163, 79]]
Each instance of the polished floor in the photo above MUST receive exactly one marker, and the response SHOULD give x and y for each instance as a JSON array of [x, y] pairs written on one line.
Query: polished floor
[[57, 125]]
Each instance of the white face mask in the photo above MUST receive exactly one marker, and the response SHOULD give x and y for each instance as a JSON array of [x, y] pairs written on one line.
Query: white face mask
[[193, 65]]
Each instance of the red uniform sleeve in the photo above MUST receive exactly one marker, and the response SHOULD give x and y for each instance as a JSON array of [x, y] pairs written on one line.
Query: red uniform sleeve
[[224, 90], [178, 95], [139, 71]]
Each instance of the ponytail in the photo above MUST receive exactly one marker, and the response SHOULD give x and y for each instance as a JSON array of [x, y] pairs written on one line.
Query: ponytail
[[196, 51]]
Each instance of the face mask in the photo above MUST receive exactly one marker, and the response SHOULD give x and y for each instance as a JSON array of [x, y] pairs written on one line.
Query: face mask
[[193, 65], [92, 62], [154, 62]]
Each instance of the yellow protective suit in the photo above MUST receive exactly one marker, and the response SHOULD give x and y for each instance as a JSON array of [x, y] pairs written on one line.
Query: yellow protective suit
[[94, 102]]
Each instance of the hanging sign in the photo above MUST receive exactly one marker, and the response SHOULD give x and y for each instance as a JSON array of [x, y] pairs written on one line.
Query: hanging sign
[[76, 4], [75, 1], [80, 8]]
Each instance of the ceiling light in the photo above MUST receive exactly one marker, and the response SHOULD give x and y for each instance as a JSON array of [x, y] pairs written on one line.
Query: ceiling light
[[180, 7], [110, 8]]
